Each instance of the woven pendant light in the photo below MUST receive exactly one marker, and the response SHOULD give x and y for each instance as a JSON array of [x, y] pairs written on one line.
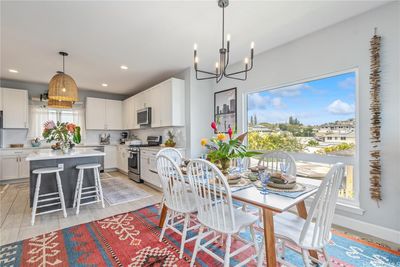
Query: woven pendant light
[[62, 87], [59, 104]]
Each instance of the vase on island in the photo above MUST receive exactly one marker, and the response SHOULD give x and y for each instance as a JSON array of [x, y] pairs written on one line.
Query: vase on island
[[64, 133]]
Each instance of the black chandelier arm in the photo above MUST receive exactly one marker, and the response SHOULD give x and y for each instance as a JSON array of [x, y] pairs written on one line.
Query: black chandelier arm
[[232, 75], [206, 72], [212, 75]]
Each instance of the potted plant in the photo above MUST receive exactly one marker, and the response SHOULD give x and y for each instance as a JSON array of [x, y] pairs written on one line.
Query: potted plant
[[222, 150], [170, 141], [64, 133]]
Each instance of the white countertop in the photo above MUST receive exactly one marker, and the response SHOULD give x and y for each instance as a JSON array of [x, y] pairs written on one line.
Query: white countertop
[[44, 154]]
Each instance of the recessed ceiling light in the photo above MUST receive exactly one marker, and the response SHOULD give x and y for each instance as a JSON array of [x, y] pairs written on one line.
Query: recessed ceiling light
[[104, 84], [123, 67], [12, 71]]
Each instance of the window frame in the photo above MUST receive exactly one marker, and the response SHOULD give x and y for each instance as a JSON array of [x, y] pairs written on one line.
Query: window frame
[[355, 202]]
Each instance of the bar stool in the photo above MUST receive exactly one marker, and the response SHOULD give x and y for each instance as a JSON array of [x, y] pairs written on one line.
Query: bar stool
[[80, 190], [49, 196]]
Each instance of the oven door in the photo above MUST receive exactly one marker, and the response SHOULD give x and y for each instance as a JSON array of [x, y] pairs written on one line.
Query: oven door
[[134, 162]]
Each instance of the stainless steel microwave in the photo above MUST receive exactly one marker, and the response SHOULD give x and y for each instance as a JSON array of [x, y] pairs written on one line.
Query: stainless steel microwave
[[144, 116]]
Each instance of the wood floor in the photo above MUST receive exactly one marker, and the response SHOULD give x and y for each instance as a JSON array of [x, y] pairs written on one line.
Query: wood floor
[[15, 213]]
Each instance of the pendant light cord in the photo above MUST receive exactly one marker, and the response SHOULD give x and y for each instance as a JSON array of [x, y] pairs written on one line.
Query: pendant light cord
[[63, 64]]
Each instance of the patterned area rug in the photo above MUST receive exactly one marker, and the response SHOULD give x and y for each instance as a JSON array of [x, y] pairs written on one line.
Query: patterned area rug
[[118, 190], [131, 239]]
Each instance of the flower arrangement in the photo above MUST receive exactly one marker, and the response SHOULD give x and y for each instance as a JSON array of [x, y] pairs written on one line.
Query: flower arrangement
[[64, 133], [222, 150]]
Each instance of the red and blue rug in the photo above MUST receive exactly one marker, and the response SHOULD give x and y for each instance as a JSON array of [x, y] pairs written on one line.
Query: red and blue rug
[[131, 239]]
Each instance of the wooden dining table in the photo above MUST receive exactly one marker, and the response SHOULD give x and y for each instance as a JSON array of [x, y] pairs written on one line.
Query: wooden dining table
[[270, 204]]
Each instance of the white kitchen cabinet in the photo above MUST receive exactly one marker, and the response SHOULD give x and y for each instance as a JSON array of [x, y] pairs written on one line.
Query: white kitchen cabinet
[[167, 102], [9, 167], [129, 113], [110, 159], [148, 168], [122, 159], [103, 114], [95, 113], [15, 108], [1, 99], [113, 115], [14, 164]]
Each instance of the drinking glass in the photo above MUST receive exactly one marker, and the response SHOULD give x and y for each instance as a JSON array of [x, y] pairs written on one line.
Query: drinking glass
[[264, 179]]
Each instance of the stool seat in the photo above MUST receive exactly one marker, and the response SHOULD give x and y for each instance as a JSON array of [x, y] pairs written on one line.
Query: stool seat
[[88, 166], [47, 170], [93, 193]]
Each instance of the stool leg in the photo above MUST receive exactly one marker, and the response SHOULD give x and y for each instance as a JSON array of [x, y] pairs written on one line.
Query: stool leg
[[97, 174], [78, 204], [76, 189], [96, 184], [35, 198], [61, 194]]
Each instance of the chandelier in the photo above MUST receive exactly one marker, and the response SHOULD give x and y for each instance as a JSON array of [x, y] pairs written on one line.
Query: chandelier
[[62, 87], [222, 65]]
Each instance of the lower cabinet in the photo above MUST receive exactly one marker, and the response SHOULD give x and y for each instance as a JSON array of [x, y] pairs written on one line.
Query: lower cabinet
[[110, 159], [122, 159], [148, 168], [14, 165]]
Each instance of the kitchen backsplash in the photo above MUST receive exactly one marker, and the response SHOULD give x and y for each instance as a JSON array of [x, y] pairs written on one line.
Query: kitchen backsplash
[[180, 137], [16, 136]]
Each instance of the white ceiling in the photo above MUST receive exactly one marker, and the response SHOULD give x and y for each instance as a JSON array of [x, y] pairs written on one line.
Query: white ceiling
[[153, 38]]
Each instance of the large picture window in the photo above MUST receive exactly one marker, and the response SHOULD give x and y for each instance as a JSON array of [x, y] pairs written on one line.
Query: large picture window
[[315, 121]]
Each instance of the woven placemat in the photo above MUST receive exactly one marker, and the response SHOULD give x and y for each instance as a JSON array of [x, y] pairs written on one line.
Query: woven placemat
[[297, 188]]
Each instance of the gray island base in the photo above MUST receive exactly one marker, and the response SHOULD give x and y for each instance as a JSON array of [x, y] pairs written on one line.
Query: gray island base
[[69, 176]]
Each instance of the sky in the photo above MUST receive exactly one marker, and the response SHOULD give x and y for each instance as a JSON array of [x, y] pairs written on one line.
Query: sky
[[313, 103]]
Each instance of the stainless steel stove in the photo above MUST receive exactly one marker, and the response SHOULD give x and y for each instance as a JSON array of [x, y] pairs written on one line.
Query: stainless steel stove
[[134, 157]]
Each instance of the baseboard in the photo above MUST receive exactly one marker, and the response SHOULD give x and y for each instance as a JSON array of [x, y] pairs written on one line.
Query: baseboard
[[368, 228]]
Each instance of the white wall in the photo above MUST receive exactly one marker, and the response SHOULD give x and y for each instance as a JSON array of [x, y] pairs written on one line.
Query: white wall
[[199, 106], [341, 47], [180, 134]]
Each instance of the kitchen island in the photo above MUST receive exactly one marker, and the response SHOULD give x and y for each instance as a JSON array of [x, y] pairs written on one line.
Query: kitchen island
[[44, 158]]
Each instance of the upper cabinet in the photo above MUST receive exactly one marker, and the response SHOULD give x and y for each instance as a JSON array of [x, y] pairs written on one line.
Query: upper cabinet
[[103, 114], [129, 113], [15, 108], [167, 103]]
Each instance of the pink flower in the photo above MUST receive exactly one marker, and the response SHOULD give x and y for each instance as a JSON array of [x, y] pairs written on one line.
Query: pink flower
[[49, 125], [214, 125], [230, 132]]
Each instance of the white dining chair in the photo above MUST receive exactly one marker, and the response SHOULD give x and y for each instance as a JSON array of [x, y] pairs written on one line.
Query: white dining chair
[[272, 161], [176, 156], [180, 202], [173, 153], [312, 233], [216, 213]]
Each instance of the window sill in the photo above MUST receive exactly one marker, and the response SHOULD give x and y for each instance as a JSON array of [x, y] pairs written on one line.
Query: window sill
[[350, 208]]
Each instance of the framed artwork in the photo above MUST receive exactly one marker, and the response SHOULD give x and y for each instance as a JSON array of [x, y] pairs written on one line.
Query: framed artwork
[[225, 113]]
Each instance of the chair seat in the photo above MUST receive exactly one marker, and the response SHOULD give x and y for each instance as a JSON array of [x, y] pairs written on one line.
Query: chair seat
[[185, 207], [47, 170], [242, 219], [88, 166], [288, 226]]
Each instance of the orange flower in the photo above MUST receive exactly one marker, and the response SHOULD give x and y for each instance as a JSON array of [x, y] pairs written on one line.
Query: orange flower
[[71, 127], [203, 141], [221, 137]]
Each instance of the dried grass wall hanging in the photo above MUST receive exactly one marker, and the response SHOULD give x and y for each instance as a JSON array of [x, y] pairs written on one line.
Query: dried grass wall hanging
[[375, 128]]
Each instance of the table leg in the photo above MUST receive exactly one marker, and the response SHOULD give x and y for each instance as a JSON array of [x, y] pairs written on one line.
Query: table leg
[[302, 211], [163, 215], [269, 236]]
